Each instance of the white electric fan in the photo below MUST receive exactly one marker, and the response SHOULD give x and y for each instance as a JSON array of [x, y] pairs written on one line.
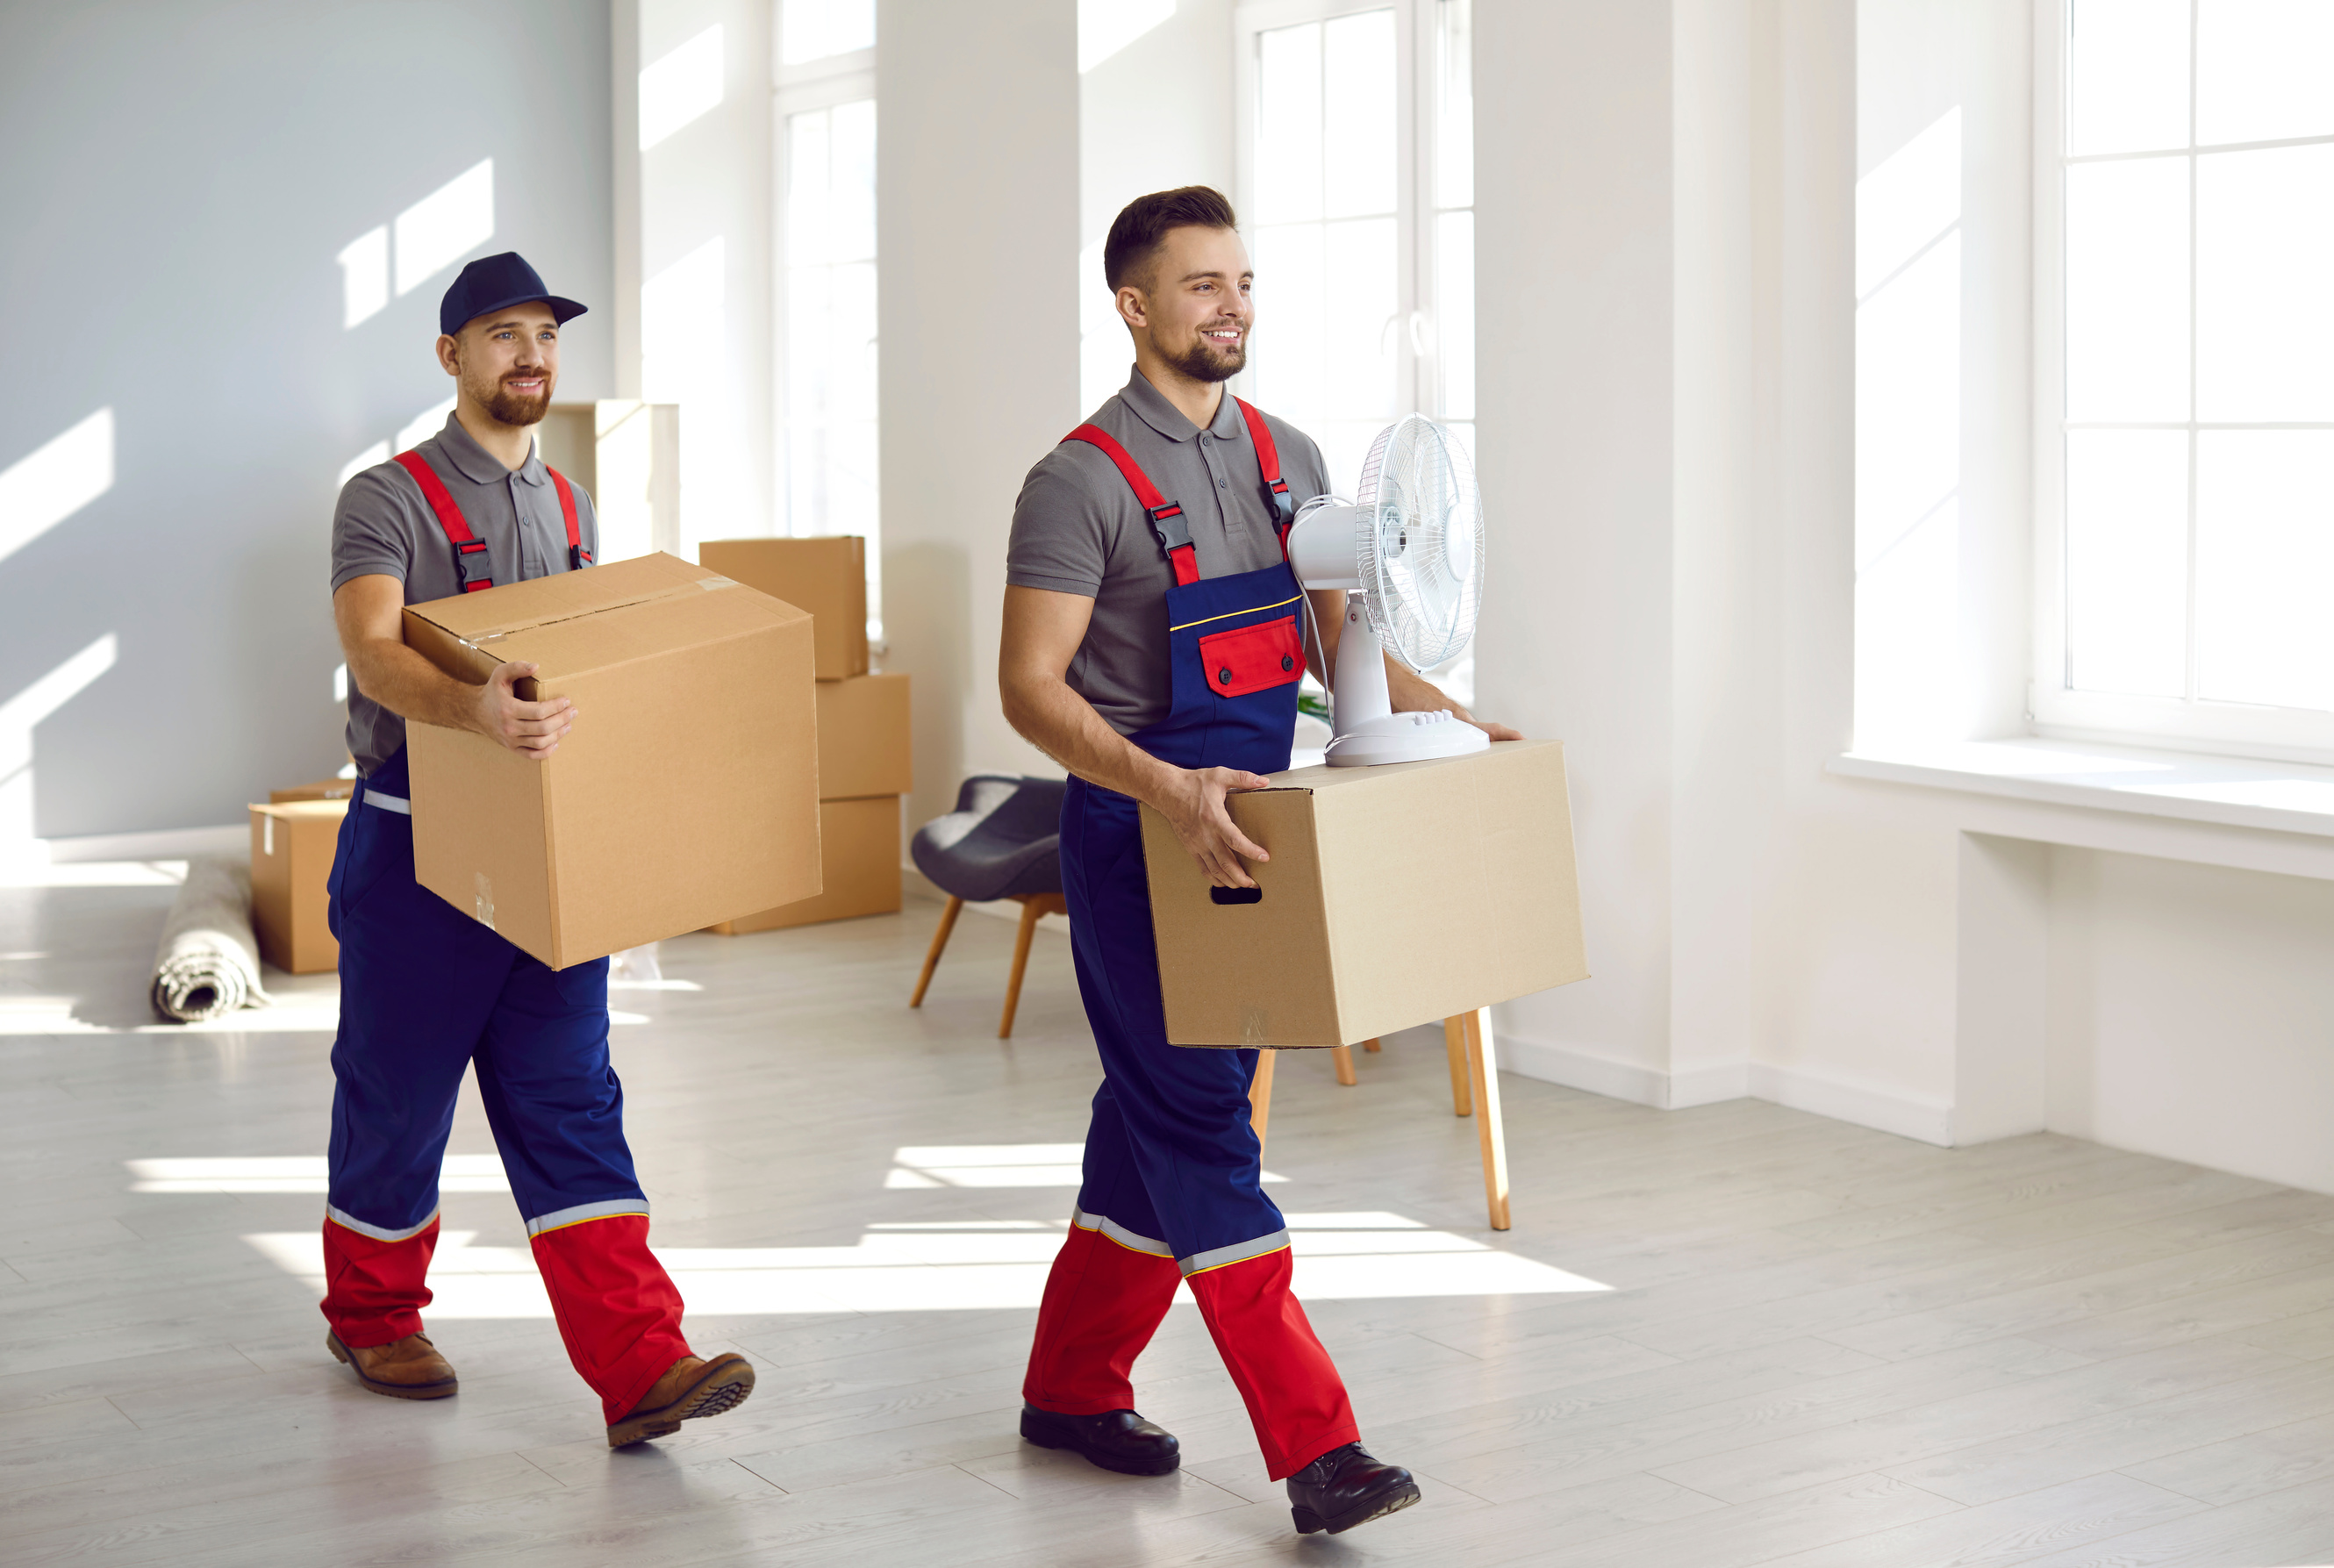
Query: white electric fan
[[1409, 553]]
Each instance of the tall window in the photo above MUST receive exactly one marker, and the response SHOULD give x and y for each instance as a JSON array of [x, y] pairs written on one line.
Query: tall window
[[1358, 191], [2194, 409], [827, 248]]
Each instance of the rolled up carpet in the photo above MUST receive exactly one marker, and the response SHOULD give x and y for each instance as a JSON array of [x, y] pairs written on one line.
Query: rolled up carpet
[[208, 961]]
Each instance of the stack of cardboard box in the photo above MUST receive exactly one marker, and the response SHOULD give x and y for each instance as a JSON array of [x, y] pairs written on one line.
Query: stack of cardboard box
[[863, 764], [292, 841]]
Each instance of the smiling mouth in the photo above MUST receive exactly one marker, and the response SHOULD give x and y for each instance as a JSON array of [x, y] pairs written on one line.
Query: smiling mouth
[[1224, 337]]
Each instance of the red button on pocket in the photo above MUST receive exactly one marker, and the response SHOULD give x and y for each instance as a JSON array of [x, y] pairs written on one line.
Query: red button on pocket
[[1253, 658]]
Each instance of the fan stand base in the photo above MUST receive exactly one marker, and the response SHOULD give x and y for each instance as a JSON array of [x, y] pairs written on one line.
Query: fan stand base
[[1405, 737]]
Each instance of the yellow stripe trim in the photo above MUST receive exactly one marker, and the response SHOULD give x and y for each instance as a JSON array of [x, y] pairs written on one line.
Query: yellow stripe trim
[[1228, 614], [588, 1219]]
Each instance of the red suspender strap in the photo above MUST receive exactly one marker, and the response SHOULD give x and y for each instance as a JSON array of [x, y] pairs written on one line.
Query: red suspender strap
[[1267, 462], [1167, 518], [470, 557], [578, 557]]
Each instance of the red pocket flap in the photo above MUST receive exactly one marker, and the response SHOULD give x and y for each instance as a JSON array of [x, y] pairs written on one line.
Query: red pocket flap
[[1253, 658]]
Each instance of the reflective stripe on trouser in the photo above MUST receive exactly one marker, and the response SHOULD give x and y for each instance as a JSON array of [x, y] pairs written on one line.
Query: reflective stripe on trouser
[[427, 993]]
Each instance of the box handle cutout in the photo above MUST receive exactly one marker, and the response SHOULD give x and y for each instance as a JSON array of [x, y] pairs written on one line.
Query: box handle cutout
[[1236, 895]]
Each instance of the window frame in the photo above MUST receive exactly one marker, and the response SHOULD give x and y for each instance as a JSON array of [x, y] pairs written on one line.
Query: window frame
[[1417, 345], [2054, 708], [800, 88]]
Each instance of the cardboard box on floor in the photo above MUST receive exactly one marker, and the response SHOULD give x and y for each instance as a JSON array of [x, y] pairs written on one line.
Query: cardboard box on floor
[[863, 737], [686, 794], [291, 845], [324, 789], [859, 847], [1396, 896], [826, 576]]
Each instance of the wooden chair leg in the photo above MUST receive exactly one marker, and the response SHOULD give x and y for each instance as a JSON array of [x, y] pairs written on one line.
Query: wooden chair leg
[[1482, 1067], [1343, 1055], [940, 942], [1454, 1045], [1371, 1044], [1260, 1094], [1032, 910]]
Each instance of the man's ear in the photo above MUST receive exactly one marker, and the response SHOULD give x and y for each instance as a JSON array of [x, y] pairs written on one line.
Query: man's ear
[[1132, 308], [449, 357]]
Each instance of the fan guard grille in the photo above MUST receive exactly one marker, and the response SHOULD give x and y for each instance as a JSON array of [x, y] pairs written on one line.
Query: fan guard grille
[[1420, 543]]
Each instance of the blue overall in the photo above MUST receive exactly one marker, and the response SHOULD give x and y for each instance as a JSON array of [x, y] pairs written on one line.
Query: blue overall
[[425, 991], [1171, 1192]]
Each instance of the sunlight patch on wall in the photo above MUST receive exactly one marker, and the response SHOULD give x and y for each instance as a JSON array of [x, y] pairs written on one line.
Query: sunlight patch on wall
[[1107, 26], [45, 486], [417, 429], [375, 454], [435, 232], [365, 276], [683, 86], [18, 717]]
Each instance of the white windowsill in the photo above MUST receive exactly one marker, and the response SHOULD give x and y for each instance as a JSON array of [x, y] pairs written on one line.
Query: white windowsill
[[2235, 791]]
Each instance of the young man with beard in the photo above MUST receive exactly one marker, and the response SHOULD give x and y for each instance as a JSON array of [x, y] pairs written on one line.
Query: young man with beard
[[426, 990], [1152, 646]]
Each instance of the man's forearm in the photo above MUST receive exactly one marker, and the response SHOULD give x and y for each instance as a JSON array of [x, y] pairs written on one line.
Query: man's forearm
[[1065, 726], [412, 688]]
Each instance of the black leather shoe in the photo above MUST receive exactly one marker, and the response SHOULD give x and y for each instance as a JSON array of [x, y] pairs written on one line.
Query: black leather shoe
[[1117, 1440], [1345, 1488]]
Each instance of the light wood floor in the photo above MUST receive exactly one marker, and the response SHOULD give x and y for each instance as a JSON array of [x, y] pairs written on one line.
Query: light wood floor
[[1719, 1337]]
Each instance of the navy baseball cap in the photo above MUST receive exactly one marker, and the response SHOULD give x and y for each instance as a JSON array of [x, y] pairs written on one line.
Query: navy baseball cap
[[494, 283]]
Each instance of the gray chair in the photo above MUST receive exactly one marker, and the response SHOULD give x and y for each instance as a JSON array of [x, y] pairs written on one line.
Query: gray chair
[[1003, 841]]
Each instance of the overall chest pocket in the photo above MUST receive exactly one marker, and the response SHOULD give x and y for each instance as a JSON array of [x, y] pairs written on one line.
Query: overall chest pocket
[[1253, 658]]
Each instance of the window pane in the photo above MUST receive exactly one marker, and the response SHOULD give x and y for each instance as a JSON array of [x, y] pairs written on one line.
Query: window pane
[[1454, 313], [1288, 127], [2264, 69], [816, 28], [1358, 96], [1454, 104], [2127, 560], [2128, 290], [852, 209], [2265, 286], [2127, 75], [1290, 334], [2265, 567], [1362, 304]]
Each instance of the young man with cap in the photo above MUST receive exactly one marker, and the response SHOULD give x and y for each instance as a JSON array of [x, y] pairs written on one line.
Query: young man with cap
[[426, 990], [1152, 646]]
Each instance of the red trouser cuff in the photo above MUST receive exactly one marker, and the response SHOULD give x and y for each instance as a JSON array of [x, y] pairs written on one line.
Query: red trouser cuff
[[1295, 1398], [1102, 1305], [374, 1290], [618, 1310]]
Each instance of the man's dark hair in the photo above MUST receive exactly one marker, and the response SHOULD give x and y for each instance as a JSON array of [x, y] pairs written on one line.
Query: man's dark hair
[[1141, 225]]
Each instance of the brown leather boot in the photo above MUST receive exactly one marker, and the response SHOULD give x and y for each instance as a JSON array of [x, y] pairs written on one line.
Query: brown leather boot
[[406, 1368], [693, 1389]]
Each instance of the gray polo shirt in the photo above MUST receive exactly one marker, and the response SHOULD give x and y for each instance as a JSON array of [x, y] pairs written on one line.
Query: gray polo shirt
[[384, 524], [1078, 529]]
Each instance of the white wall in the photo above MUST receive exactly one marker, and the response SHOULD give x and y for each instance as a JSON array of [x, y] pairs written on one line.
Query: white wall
[[178, 180], [1155, 113], [1667, 201], [977, 203]]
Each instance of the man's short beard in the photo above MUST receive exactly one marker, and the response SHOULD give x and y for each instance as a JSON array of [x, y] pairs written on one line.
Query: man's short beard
[[511, 408], [1204, 363]]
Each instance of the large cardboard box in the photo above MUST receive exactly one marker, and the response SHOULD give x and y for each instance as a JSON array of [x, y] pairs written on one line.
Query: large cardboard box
[[324, 789], [863, 737], [826, 576], [860, 848], [686, 794], [1396, 896], [292, 846]]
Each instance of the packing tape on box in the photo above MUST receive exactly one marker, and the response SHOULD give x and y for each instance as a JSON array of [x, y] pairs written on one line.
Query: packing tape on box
[[485, 908], [710, 584]]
